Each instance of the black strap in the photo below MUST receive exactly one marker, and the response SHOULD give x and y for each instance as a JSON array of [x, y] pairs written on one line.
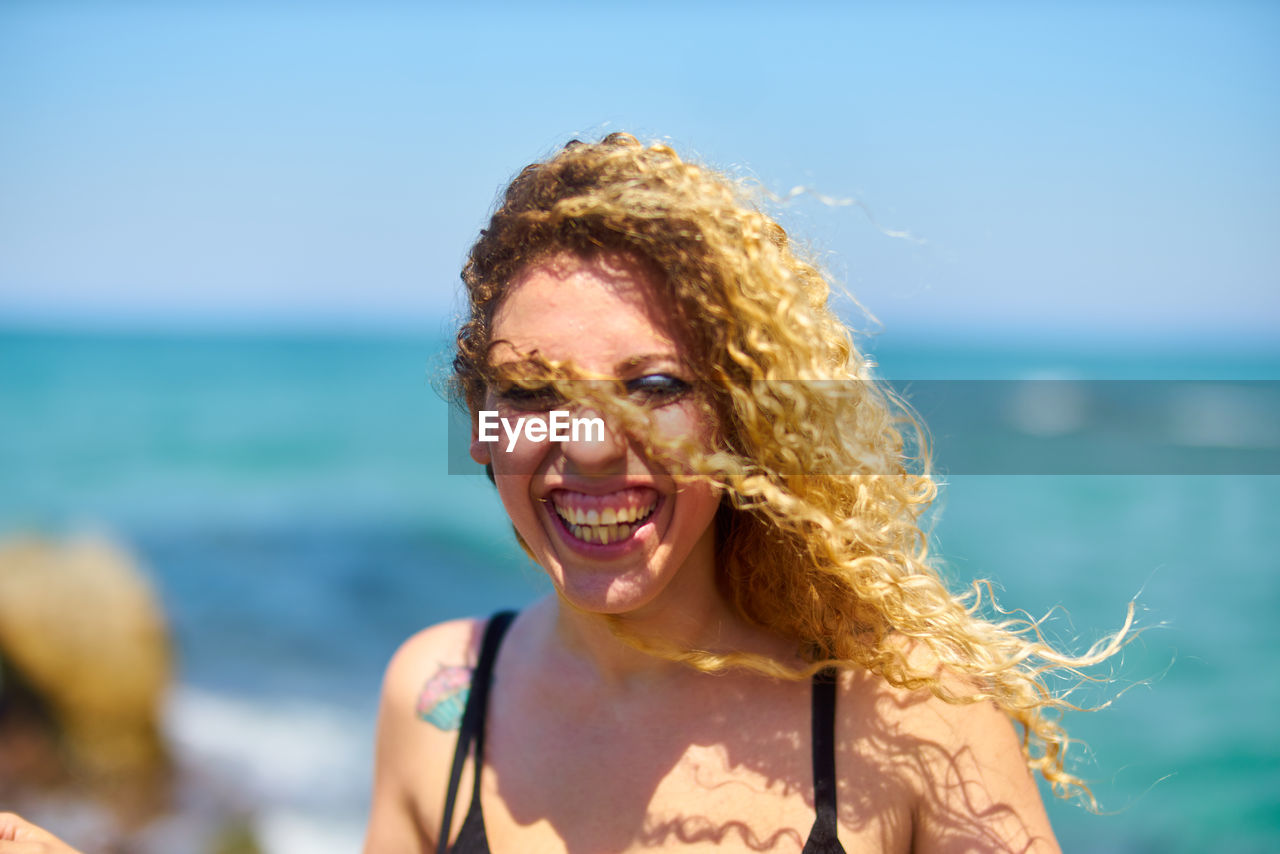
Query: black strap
[[824, 836], [472, 729]]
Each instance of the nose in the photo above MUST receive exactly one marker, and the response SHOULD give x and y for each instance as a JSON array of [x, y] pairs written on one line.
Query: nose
[[593, 448]]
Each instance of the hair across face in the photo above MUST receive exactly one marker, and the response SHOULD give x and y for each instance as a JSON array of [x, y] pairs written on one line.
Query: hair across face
[[611, 524], [752, 313], [757, 336], [725, 271], [818, 536]]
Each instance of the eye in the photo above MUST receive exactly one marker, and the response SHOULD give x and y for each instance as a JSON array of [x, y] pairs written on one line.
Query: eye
[[657, 389], [536, 399]]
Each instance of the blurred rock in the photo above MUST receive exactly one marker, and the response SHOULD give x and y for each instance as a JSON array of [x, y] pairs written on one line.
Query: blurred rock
[[85, 665], [87, 660]]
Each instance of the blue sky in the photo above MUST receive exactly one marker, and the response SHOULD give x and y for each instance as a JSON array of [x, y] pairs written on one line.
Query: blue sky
[[1078, 169]]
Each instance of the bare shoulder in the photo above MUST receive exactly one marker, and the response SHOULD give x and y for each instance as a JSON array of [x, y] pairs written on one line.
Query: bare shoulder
[[960, 765], [424, 692], [426, 687], [444, 646]]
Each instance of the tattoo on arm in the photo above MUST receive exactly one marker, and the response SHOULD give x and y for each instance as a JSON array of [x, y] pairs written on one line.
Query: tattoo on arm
[[444, 697]]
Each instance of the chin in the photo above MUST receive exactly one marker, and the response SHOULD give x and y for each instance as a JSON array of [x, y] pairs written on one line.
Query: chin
[[604, 592]]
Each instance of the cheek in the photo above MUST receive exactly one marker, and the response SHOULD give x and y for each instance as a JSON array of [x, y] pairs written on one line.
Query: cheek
[[697, 502], [707, 499], [680, 429], [513, 491]]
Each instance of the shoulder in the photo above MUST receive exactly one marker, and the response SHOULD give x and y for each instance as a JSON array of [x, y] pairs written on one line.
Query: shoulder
[[424, 690], [426, 685], [454, 644], [960, 767]]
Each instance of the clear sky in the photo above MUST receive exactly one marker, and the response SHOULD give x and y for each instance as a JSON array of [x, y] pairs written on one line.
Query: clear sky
[[1072, 169]]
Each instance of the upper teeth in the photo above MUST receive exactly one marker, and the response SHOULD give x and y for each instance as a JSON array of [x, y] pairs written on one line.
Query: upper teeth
[[608, 516]]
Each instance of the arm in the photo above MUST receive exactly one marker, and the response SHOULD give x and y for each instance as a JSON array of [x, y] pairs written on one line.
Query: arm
[[18, 836], [425, 682], [392, 827], [977, 795]]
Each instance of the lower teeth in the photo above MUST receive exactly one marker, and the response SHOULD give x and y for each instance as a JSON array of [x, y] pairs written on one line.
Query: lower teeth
[[602, 534], [605, 534]]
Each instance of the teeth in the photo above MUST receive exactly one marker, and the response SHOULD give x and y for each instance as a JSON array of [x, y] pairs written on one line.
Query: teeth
[[608, 516], [602, 534], [605, 526]]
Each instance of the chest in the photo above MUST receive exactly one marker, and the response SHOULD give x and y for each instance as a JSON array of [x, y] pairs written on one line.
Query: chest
[[704, 776]]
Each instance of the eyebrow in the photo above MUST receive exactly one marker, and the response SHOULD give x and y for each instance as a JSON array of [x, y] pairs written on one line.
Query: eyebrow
[[533, 362], [647, 360]]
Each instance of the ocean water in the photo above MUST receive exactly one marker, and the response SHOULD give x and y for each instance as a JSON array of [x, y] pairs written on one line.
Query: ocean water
[[290, 497]]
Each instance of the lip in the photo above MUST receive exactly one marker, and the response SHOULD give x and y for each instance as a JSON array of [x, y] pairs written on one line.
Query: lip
[[644, 531]]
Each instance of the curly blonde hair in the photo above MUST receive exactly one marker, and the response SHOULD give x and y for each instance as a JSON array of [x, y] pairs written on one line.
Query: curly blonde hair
[[825, 472]]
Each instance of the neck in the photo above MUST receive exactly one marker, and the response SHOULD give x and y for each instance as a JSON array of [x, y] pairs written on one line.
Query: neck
[[691, 614], [590, 639]]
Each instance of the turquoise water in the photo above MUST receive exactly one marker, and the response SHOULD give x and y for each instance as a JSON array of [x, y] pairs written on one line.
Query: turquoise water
[[290, 496]]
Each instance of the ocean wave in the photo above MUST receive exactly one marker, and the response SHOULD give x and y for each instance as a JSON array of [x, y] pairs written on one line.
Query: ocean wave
[[303, 769]]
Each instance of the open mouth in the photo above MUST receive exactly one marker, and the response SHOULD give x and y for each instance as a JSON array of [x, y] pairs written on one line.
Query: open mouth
[[604, 519]]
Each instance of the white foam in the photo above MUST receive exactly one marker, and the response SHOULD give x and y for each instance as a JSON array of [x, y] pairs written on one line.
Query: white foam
[[302, 768], [294, 832]]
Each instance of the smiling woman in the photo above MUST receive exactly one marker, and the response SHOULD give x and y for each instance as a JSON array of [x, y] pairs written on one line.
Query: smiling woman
[[746, 645], [602, 316]]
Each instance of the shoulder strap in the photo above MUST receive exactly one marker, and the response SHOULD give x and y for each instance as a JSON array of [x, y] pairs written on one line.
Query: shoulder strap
[[824, 836], [473, 717]]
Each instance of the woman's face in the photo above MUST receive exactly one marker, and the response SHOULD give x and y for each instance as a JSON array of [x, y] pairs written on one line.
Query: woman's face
[[611, 525]]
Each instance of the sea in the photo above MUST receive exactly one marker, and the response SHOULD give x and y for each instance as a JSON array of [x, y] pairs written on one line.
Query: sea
[[291, 498]]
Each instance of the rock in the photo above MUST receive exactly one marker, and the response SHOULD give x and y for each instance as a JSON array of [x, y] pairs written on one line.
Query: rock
[[83, 629]]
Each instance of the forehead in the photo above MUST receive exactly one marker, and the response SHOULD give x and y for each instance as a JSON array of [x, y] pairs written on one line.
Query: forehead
[[597, 313]]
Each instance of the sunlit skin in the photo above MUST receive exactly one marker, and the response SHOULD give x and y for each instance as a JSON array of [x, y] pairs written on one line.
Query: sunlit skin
[[601, 317], [18, 836], [594, 746]]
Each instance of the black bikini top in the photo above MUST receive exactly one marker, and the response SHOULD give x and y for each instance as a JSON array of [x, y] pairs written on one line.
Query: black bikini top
[[471, 837]]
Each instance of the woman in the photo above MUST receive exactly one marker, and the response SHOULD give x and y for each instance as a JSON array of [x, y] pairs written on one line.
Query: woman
[[746, 647]]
